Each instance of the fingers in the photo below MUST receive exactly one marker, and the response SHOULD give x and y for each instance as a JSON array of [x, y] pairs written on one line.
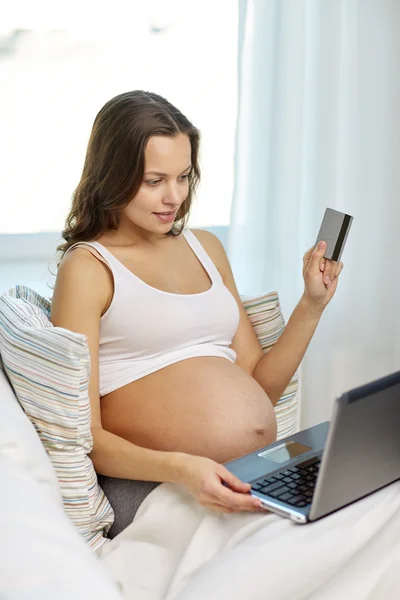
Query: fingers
[[307, 255], [221, 498], [331, 271], [313, 257], [315, 262], [220, 508], [232, 504], [234, 482], [235, 497], [234, 500]]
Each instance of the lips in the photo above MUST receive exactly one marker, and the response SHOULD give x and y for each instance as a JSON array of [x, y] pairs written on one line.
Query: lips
[[165, 217]]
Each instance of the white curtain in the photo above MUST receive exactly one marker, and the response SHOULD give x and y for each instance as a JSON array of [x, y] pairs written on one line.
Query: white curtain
[[318, 126]]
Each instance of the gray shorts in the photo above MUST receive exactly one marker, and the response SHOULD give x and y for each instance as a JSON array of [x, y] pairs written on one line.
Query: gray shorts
[[125, 496]]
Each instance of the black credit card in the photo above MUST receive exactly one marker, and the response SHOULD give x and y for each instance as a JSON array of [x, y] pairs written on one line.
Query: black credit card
[[334, 230]]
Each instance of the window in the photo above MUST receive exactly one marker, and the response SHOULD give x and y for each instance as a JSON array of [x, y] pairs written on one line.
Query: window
[[60, 62]]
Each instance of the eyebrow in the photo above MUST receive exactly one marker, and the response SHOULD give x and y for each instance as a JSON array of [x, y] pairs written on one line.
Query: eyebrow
[[164, 174]]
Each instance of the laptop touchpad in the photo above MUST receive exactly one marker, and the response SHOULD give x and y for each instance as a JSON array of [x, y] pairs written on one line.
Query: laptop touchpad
[[285, 451]]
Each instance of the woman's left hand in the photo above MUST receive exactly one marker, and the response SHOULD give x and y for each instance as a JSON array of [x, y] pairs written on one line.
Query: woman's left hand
[[320, 276]]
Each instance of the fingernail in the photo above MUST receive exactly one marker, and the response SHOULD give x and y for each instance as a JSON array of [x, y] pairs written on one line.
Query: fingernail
[[322, 267], [321, 245], [327, 280]]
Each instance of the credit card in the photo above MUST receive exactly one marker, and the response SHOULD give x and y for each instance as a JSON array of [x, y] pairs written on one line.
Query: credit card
[[334, 230]]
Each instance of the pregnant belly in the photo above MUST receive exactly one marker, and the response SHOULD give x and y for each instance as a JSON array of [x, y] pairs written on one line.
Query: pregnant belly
[[206, 406]]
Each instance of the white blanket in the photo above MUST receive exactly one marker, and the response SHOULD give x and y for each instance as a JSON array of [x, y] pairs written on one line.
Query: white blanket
[[177, 550]]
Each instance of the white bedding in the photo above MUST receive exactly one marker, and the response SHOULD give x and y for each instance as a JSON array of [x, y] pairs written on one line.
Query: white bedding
[[177, 550]]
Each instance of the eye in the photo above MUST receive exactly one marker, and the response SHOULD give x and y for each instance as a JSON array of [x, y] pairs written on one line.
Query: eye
[[184, 177], [153, 182]]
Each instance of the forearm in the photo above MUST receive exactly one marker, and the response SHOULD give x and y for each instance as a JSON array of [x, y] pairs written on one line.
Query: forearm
[[116, 457], [276, 368]]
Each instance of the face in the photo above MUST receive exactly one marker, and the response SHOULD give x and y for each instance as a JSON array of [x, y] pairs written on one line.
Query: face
[[164, 187]]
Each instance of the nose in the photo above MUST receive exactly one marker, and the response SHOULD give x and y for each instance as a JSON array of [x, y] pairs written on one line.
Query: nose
[[173, 197]]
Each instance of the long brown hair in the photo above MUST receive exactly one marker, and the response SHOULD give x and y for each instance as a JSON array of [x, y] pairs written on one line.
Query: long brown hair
[[114, 163]]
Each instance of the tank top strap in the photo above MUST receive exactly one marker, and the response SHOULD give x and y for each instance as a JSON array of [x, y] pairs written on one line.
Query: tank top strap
[[115, 265], [110, 260], [201, 254]]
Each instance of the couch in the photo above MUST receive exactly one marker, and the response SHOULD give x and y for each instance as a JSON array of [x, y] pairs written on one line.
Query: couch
[[42, 555], [354, 553]]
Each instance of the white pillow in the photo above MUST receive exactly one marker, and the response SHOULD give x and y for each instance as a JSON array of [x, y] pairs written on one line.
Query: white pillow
[[42, 556], [49, 370], [21, 444], [264, 312]]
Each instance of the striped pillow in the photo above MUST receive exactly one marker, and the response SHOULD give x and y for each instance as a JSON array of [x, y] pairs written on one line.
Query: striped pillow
[[265, 314], [49, 368]]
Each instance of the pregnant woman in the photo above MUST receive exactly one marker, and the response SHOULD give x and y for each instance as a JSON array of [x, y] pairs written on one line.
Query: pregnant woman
[[179, 383]]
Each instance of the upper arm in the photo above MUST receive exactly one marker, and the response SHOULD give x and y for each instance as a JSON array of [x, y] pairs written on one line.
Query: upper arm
[[245, 342], [80, 295]]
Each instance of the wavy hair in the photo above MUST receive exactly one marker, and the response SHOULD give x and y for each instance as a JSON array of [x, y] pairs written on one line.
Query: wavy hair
[[114, 163]]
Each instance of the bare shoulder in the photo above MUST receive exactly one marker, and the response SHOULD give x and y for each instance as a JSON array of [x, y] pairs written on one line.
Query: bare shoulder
[[77, 257], [214, 248], [82, 281], [82, 263], [206, 237]]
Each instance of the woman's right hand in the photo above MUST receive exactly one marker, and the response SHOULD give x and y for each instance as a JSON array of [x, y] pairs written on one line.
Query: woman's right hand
[[204, 478]]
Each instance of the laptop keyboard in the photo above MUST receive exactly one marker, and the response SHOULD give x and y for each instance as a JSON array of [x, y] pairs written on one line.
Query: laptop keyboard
[[295, 485]]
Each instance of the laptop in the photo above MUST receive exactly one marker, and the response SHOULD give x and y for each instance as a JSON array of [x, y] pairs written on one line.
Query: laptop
[[315, 472]]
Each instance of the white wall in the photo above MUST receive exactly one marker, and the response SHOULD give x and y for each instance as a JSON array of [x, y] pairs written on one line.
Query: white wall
[[32, 273], [31, 259]]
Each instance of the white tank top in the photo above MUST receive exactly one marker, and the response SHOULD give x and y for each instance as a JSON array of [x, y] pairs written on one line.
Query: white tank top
[[146, 329]]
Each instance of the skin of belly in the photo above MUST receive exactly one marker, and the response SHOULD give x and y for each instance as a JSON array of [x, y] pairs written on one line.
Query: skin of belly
[[206, 406]]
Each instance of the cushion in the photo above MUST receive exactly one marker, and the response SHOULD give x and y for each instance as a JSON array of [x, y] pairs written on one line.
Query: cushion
[[43, 557], [48, 368], [20, 443], [266, 317]]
